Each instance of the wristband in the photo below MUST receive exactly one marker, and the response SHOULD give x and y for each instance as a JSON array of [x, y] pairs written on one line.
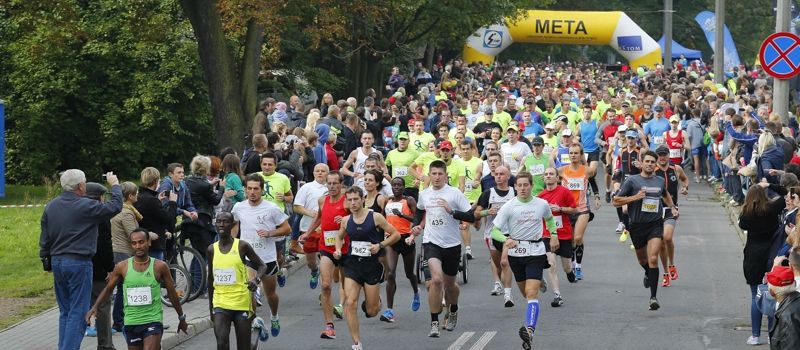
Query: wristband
[[484, 213], [182, 317]]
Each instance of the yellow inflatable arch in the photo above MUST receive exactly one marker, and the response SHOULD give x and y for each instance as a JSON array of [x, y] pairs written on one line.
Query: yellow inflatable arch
[[612, 28]]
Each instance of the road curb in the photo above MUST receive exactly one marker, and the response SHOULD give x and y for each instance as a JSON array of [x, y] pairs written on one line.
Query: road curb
[[202, 324]]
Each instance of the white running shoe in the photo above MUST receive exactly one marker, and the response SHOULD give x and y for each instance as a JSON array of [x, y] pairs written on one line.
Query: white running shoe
[[753, 341], [497, 290], [509, 301], [620, 227]]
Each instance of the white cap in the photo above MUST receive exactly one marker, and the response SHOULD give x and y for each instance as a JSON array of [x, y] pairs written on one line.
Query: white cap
[[567, 132], [622, 128]]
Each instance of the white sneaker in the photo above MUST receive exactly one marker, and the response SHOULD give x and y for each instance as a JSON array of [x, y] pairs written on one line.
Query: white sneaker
[[620, 227], [468, 250], [753, 341], [357, 347], [497, 290], [508, 301]]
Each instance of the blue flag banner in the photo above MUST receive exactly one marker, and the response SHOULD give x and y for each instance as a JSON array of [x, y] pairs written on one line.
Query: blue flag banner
[[707, 21]]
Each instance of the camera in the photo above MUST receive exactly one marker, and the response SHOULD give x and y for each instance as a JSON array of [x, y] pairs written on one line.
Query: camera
[[47, 263], [167, 193]]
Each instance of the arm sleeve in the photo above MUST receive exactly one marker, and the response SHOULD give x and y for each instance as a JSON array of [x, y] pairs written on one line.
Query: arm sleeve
[[467, 215], [498, 235], [419, 214]]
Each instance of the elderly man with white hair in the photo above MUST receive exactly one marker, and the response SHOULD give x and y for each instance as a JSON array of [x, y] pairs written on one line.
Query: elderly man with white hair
[[67, 244]]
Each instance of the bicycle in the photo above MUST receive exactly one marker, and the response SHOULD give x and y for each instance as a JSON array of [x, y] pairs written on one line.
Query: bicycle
[[192, 264]]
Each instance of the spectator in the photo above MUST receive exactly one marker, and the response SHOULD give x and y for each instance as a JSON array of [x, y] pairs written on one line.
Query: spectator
[[157, 217], [233, 181], [770, 157], [319, 149], [102, 264], [67, 244], [252, 159], [786, 332], [262, 119], [205, 195]]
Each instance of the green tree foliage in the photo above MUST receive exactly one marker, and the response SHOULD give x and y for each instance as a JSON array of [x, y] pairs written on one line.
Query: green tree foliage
[[99, 85]]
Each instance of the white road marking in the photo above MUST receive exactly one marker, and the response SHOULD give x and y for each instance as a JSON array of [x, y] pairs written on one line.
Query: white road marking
[[484, 339], [463, 339]]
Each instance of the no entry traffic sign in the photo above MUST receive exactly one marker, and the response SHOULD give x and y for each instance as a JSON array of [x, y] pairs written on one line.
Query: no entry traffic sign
[[780, 55]]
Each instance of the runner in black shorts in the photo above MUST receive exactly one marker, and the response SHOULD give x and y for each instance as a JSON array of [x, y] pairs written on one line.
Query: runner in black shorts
[[562, 204], [673, 176], [643, 194], [362, 269]]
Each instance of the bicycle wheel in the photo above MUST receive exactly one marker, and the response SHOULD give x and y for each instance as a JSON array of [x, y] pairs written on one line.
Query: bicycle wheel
[[464, 269], [182, 281], [191, 260]]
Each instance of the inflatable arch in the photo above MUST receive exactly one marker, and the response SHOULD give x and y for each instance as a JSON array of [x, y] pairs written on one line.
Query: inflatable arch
[[613, 28]]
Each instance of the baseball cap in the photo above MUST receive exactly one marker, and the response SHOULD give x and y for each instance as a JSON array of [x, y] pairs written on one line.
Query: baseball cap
[[403, 135], [622, 128], [658, 109], [566, 132], [549, 126], [674, 118], [780, 276], [445, 145], [538, 140], [95, 190], [512, 127], [626, 104], [662, 149], [631, 134], [561, 118]]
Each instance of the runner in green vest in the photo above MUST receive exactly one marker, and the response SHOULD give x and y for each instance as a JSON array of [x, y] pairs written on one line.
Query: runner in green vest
[[535, 163], [399, 162], [142, 278]]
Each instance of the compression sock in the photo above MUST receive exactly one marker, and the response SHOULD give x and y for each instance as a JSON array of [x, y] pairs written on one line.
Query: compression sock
[[652, 278], [579, 254], [620, 215], [645, 267], [532, 313], [434, 317], [454, 308], [593, 184]]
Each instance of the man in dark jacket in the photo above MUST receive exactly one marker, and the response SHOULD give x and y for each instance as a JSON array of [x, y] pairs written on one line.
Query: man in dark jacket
[[67, 244], [785, 332], [252, 159], [102, 264], [786, 144]]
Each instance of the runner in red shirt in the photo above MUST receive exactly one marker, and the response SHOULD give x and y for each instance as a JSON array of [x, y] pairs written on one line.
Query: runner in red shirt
[[677, 141], [328, 220], [563, 204]]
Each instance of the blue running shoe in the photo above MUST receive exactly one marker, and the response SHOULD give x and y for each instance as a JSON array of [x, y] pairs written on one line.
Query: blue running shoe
[[276, 327], [388, 316], [415, 302], [314, 281], [91, 331], [258, 323], [281, 278], [578, 273], [258, 297]]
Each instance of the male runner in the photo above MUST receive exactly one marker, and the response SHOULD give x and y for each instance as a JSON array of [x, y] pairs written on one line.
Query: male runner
[[331, 213], [142, 279], [359, 155], [306, 203], [400, 160], [369, 233], [523, 249], [442, 207], [229, 289], [399, 212], [513, 150], [261, 224], [673, 176], [278, 190], [656, 128], [418, 138], [535, 164], [575, 177], [627, 164], [490, 202], [562, 204], [587, 133], [473, 168], [643, 194], [676, 140]]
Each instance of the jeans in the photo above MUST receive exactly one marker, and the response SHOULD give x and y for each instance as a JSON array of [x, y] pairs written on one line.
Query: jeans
[[103, 321], [715, 167], [755, 314], [73, 285], [118, 314]]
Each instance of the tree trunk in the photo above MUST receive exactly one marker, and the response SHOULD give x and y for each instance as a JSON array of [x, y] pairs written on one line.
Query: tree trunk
[[219, 71], [430, 50], [251, 64]]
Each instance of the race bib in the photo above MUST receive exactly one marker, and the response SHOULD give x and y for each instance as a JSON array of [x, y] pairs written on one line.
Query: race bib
[[527, 248], [360, 248], [400, 171], [559, 221], [439, 221], [565, 158], [468, 186], [658, 140], [675, 153], [138, 296], [575, 183], [537, 169], [393, 205], [259, 243], [650, 205], [547, 149], [224, 277], [330, 237]]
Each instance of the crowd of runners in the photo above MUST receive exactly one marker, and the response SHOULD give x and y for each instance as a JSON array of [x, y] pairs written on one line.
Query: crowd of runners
[[510, 152]]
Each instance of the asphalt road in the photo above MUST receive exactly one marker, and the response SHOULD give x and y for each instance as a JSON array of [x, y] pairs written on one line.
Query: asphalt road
[[607, 310]]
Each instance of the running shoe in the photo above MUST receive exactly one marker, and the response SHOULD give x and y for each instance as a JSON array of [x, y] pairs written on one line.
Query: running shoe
[[388, 316], [468, 250], [91, 331], [654, 304], [282, 277], [415, 303], [258, 323], [497, 290], [509, 302], [578, 273], [328, 333], [258, 297], [357, 347], [543, 286], [665, 280], [753, 341], [633, 248], [625, 234], [434, 329], [526, 334], [452, 320], [338, 311], [608, 196], [646, 281], [557, 301], [314, 280], [620, 228], [673, 272], [275, 327], [571, 277]]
